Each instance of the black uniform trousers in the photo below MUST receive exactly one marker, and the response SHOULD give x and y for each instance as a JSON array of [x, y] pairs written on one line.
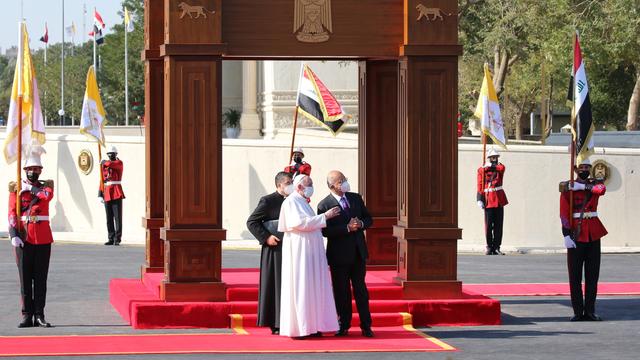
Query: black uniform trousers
[[114, 220], [33, 268], [493, 219], [587, 256], [343, 278]]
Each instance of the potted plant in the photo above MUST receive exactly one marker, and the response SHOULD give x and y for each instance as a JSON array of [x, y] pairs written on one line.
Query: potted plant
[[231, 120]]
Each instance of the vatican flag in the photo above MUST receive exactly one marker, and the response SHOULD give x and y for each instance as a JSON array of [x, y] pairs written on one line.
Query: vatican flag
[[488, 111], [25, 87], [93, 116]]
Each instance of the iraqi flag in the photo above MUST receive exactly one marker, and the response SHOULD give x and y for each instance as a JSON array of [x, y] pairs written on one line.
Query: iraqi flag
[[583, 127], [97, 19], [97, 35], [45, 37], [317, 103]]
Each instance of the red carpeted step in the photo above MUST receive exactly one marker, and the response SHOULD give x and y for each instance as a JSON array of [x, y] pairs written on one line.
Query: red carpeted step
[[152, 281], [123, 293], [250, 293], [377, 319], [385, 306]]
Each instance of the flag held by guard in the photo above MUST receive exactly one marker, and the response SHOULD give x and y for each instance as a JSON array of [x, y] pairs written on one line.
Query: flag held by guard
[[33, 131], [93, 116], [583, 126], [488, 111], [317, 103]]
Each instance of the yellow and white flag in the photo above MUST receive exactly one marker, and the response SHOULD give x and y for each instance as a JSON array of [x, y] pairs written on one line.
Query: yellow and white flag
[[128, 24], [488, 111], [93, 116], [24, 82]]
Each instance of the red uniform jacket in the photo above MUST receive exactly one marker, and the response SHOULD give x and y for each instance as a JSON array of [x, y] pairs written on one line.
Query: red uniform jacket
[[491, 194], [591, 228], [38, 231], [112, 175], [304, 168]]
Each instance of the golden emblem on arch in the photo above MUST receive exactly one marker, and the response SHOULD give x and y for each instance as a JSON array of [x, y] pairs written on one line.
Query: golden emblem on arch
[[85, 161], [425, 12], [312, 20], [193, 10], [601, 171]]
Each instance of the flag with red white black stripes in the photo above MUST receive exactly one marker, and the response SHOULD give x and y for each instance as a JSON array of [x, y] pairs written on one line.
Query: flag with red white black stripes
[[583, 127], [317, 103]]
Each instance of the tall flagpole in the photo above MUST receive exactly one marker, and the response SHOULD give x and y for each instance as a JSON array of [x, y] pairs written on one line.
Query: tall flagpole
[[572, 148], [95, 68], [46, 46], [61, 113], [126, 72], [19, 160]]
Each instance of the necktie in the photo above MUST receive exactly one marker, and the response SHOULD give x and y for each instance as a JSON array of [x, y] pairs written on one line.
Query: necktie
[[345, 205]]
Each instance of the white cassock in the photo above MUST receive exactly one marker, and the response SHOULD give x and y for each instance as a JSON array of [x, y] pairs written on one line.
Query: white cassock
[[306, 300]]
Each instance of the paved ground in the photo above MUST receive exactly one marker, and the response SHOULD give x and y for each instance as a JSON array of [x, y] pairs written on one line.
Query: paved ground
[[533, 327]]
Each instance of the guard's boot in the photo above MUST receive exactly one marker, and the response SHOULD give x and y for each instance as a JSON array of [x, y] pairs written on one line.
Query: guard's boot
[[27, 322], [41, 322]]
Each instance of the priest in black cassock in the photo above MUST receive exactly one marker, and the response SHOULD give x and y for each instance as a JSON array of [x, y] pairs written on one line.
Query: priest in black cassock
[[263, 224]]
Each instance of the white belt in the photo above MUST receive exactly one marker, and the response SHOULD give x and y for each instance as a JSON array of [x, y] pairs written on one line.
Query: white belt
[[493, 189], [587, 215], [112, 183], [34, 218]]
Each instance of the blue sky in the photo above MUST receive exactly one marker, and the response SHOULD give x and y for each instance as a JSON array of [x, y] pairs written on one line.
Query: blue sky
[[36, 12]]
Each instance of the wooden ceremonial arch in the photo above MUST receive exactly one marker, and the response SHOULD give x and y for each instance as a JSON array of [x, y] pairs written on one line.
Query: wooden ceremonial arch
[[408, 63]]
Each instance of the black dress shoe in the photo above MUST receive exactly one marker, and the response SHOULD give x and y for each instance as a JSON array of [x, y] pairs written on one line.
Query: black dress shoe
[[27, 322], [497, 252], [367, 333], [117, 243], [40, 321], [489, 251], [317, 334], [342, 332], [575, 318], [109, 243], [275, 331], [591, 317]]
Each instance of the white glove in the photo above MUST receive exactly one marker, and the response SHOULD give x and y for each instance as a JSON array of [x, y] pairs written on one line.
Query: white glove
[[16, 241], [576, 186], [26, 187], [480, 204], [101, 199], [568, 243]]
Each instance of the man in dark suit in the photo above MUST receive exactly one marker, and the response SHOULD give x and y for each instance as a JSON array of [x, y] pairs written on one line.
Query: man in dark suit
[[263, 225], [347, 251]]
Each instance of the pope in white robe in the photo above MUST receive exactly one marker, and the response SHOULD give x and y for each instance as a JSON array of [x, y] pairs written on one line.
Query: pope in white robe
[[307, 306]]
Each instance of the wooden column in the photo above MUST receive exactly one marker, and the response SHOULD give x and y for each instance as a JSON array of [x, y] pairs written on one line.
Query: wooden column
[[427, 229], [192, 155], [154, 135], [377, 148]]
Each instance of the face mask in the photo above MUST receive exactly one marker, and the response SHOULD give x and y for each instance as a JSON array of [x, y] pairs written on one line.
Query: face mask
[[345, 187], [308, 192], [32, 176], [584, 175], [494, 162], [288, 189], [297, 159], [112, 156]]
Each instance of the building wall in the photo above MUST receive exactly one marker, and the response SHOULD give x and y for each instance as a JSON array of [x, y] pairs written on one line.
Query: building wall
[[531, 183]]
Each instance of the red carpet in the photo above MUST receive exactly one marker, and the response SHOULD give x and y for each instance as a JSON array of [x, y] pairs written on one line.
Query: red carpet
[[138, 303], [558, 289], [253, 340]]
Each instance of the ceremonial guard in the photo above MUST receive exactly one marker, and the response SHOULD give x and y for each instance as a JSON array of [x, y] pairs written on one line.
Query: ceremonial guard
[[263, 225], [31, 237], [492, 198], [298, 166], [582, 231], [112, 195]]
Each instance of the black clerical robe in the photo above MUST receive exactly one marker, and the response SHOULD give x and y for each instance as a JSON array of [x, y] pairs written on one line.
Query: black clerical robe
[[268, 210]]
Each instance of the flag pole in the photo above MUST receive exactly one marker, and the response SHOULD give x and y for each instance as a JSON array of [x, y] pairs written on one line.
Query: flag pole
[[95, 68], [46, 46], [572, 150], [62, 71], [19, 160], [293, 138], [126, 73]]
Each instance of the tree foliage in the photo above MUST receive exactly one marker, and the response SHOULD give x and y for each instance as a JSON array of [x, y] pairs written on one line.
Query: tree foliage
[[110, 73], [526, 40]]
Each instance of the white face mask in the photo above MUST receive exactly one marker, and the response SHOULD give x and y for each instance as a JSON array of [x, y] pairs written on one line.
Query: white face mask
[[308, 192], [288, 189], [345, 187]]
